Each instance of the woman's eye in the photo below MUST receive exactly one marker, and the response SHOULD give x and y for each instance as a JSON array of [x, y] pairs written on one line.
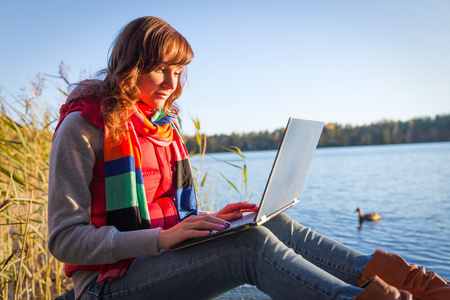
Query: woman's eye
[[163, 69]]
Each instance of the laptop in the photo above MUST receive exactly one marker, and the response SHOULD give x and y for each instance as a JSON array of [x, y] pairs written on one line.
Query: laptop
[[285, 181]]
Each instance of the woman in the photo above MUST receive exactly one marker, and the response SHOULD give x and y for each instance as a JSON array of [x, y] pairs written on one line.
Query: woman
[[121, 195]]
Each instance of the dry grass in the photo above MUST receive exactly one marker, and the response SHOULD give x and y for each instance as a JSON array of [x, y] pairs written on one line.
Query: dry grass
[[28, 270]]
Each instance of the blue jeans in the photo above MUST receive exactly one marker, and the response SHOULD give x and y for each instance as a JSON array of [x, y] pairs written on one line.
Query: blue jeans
[[282, 258]]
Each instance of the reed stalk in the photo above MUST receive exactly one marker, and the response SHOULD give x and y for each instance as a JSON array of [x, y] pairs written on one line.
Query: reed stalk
[[208, 176], [27, 269]]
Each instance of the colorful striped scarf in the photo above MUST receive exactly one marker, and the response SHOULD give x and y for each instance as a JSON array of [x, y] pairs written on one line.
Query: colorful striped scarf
[[126, 203]]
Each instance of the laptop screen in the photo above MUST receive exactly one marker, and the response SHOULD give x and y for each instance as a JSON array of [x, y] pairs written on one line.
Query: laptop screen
[[291, 165]]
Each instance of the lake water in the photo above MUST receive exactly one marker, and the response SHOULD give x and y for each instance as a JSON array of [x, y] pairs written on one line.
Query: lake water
[[408, 184]]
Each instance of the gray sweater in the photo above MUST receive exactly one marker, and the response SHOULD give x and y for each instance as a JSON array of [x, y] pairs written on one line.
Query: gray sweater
[[77, 146]]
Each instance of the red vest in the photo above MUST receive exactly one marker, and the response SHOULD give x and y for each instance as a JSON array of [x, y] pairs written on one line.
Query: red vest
[[158, 179]]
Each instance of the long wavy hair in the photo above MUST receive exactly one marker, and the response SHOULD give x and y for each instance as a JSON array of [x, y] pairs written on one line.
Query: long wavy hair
[[141, 46]]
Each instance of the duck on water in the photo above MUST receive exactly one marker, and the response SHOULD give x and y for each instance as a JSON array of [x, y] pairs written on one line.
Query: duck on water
[[375, 216]]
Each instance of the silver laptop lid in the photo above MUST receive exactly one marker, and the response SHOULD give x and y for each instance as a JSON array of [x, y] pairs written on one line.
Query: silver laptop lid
[[289, 170]]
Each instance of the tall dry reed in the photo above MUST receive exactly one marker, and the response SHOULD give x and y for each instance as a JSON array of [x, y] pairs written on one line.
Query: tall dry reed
[[27, 269], [207, 176]]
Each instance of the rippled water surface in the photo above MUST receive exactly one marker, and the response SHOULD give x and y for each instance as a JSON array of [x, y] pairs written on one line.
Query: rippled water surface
[[408, 184]]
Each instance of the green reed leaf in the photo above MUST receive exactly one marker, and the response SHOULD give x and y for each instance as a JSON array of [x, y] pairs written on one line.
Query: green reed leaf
[[207, 194], [8, 123], [244, 175], [9, 154], [204, 179], [16, 178], [235, 150], [229, 182]]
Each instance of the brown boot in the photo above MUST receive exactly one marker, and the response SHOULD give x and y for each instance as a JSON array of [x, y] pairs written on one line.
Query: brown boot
[[395, 271], [377, 289]]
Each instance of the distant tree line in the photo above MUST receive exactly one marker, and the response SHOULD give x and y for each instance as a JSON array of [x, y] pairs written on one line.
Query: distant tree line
[[418, 130]]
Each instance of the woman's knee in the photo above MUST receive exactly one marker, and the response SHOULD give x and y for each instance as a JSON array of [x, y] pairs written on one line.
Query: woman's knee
[[283, 218], [282, 224], [259, 240], [255, 236]]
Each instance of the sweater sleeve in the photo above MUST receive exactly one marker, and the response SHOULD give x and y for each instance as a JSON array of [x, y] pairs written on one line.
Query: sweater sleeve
[[72, 239]]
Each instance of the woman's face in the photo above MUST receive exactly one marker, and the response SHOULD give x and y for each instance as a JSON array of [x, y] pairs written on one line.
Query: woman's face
[[157, 86]]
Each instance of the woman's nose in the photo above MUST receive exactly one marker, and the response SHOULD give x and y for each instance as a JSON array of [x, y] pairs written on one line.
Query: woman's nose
[[170, 81]]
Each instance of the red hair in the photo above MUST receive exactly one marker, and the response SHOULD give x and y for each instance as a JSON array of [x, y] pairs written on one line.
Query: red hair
[[142, 46]]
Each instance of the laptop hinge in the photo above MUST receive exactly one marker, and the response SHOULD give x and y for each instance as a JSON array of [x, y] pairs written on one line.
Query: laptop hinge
[[264, 218]]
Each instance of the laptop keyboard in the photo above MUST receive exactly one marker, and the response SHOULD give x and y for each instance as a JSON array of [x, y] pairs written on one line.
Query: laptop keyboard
[[247, 219], [243, 221]]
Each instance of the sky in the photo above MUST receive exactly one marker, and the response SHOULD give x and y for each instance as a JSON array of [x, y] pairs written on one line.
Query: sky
[[256, 63]]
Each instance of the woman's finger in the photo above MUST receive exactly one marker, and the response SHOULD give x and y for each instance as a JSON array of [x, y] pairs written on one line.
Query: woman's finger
[[207, 222], [215, 219], [197, 233], [208, 218], [194, 226], [203, 224], [237, 207], [253, 209], [230, 216]]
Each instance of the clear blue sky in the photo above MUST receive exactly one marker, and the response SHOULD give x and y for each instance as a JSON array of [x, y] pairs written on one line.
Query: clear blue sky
[[256, 62]]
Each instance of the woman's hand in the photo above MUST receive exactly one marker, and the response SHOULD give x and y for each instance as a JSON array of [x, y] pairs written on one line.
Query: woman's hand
[[234, 211], [191, 227]]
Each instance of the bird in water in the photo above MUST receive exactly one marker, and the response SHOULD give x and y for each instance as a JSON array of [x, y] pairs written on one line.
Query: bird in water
[[368, 217]]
